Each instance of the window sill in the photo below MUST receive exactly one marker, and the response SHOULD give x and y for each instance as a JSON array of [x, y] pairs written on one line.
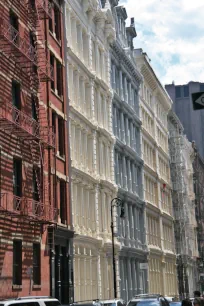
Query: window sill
[[17, 287], [56, 95], [60, 157], [54, 37], [36, 286]]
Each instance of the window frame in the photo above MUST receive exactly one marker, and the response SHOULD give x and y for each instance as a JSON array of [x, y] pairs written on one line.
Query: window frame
[[17, 262], [37, 264]]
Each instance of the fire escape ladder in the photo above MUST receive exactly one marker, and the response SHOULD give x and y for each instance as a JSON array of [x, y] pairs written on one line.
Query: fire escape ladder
[[37, 12]]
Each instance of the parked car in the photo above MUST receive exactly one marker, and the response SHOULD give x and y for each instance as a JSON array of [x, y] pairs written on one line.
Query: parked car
[[148, 300], [114, 302], [175, 303], [169, 298], [86, 303], [31, 301]]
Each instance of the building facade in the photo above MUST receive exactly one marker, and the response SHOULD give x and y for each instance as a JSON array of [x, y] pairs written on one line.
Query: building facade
[[154, 107], [126, 80], [198, 167], [90, 30], [35, 223], [181, 162], [191, 120]]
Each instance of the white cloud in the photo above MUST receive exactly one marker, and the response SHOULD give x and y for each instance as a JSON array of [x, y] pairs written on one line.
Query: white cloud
[[171, 33]]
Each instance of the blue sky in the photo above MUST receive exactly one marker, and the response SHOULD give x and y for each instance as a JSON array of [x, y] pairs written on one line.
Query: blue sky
[[171, 32]]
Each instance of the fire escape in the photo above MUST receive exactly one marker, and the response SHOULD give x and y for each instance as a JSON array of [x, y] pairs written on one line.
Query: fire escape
[[27, 53]]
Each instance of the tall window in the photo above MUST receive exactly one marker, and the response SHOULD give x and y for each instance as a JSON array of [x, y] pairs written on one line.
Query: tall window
[[52, 64], [36, 264], [61, 137], [34, 109], [63, 214], [59, 78], [16, 94], [15, 26], [17, 262], [36, 191], [17, 177], [54, 122], [57, 22]]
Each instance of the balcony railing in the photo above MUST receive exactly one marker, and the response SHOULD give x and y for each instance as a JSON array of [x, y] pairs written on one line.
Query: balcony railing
[[25, 207], [23, 46], [17, 122]]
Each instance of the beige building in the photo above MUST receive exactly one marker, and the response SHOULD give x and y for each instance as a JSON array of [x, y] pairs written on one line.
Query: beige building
[[90, 30], [154, 107], [185, 225]]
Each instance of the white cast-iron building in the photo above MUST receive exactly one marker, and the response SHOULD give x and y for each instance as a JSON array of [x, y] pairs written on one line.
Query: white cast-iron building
[[154, 107], [126, 80], [90, 30]]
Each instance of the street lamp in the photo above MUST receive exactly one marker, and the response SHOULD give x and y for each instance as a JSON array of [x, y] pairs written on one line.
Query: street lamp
[[116, 202]]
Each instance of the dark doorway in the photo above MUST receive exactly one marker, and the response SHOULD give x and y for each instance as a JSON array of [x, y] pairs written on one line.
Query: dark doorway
[[61, 274]]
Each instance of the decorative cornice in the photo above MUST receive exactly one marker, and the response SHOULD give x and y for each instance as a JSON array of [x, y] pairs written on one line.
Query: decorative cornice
[[128, 62]]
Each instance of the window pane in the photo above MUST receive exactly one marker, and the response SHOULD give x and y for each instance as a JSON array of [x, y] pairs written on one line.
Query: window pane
[[17, 262], [201, 87], [17, 177], [61, 137], [186, 91], [178, 92], [36, 264]]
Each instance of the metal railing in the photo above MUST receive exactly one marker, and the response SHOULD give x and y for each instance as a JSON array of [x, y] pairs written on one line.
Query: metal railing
[[25, 207], [25, 48], [20, 124]]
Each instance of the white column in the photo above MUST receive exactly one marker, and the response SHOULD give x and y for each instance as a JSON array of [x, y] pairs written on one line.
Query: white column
[[117, 167], [113, 76], [131, 135], [99, 102], [84, 96], [135, 223], [121, 85], [130, 93], [127, 140], [97, 58], [128, 175], [82, 206], [80, 147], [86, 150], [77, 89], [70, 82], [74, 33], [111, 158], [102, 66], [129, 277], [68, 25], [122, 126], [95, 143], [101, 157], [134, 283], [81, 44], [124, 173], [126, 93], [109, 115], [104, 211]]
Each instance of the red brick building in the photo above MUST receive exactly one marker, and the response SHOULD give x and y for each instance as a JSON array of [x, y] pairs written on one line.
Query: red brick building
[[35, 217]]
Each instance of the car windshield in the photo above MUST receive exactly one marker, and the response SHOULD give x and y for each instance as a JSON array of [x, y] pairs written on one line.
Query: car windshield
[[175, 303], [144, 303], [109, 304]]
